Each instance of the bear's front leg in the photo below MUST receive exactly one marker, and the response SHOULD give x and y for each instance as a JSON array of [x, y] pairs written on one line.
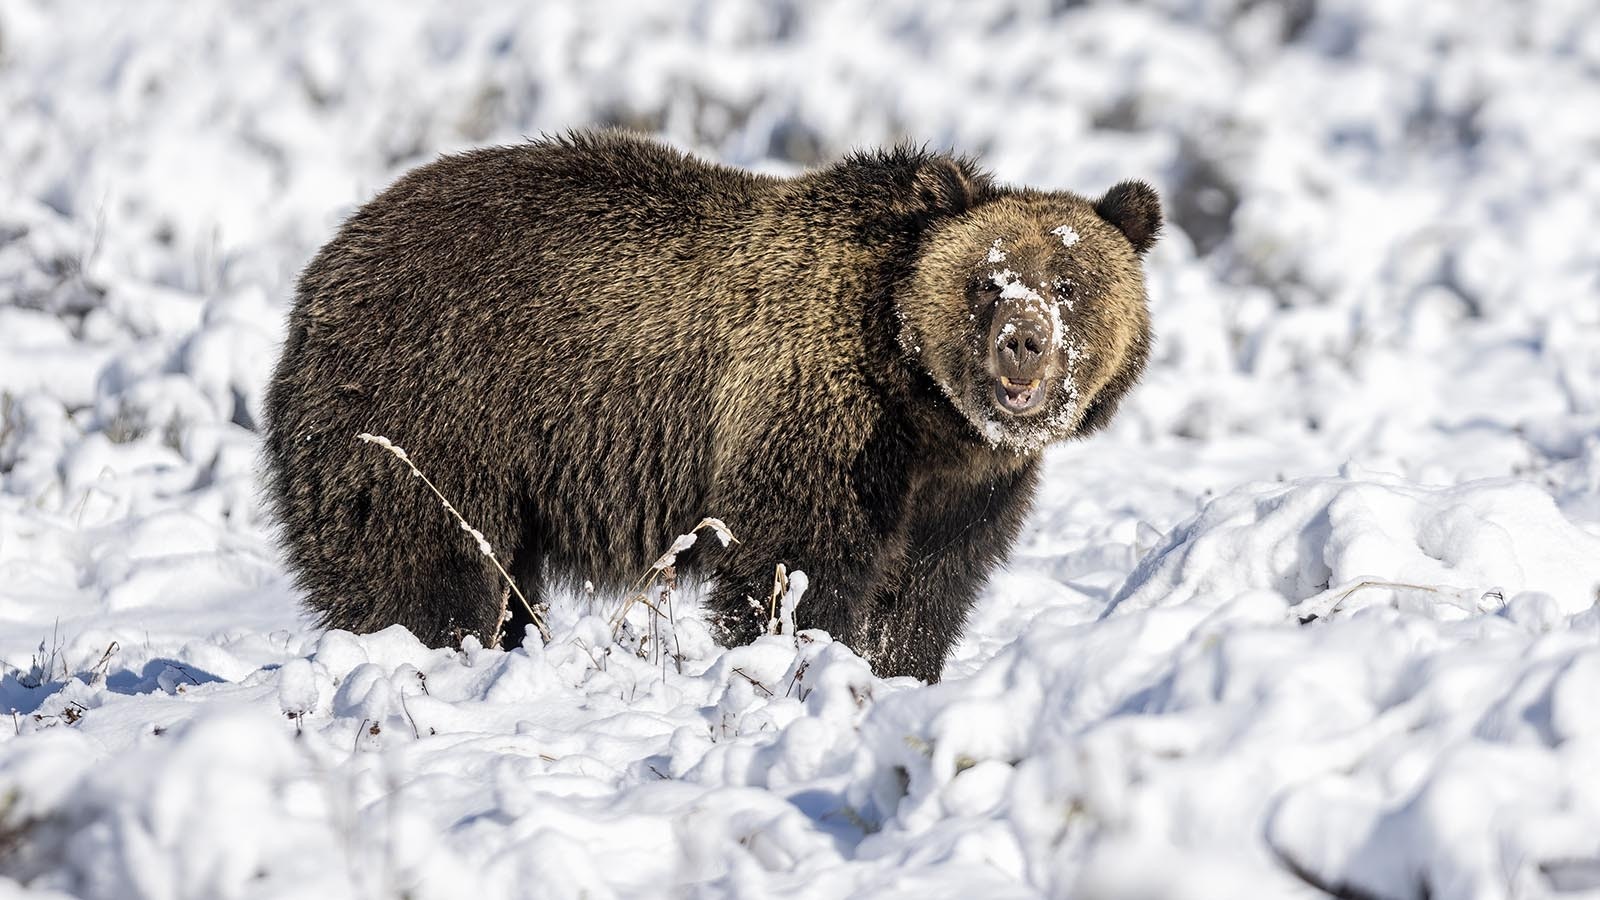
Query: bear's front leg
[[817, 500], [957, 535]]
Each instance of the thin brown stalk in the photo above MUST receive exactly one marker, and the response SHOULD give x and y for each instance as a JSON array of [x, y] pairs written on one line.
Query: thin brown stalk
[[483, 543]]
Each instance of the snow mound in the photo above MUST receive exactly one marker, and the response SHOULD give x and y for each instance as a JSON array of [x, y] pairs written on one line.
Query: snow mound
[[377, 765], [1337, 544]]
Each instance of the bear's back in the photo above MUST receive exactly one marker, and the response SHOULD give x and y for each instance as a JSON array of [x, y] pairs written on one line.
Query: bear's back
[[542, 316], [600, 180]]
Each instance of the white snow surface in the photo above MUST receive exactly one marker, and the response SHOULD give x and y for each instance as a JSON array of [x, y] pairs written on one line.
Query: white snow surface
[[1317, 613]]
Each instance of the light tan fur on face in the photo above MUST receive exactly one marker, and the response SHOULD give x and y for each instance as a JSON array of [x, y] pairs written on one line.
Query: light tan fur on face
[[1093, 289]]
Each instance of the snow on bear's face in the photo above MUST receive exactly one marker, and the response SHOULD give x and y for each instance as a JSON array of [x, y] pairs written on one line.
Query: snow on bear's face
[[1029, 311]]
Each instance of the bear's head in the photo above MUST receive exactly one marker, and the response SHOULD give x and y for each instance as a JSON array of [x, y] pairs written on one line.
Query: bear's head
[[1029, 310]]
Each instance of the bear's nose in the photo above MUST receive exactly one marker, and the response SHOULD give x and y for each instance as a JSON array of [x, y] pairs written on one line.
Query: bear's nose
[[1020, 341]]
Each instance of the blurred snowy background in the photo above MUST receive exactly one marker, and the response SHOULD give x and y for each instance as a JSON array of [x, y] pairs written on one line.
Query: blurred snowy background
[[1317, 614]]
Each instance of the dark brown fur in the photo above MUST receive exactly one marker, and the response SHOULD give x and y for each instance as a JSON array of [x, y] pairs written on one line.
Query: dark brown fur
[[591, 342]]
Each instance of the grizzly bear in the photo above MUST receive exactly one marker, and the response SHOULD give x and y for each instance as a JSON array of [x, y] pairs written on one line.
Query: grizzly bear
[[590, 342]]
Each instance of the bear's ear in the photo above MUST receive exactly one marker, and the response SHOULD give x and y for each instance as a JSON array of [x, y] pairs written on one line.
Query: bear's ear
[[946, 186], [940, 186], [1135, 209]]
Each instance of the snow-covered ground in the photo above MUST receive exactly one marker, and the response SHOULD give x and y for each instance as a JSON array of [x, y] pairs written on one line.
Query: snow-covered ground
[[1319, 610]]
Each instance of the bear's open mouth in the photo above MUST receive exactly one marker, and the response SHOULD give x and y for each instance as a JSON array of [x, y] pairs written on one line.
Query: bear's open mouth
[[1018, 396]]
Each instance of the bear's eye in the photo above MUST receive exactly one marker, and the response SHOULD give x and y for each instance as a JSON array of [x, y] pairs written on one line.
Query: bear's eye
[[987, 290]]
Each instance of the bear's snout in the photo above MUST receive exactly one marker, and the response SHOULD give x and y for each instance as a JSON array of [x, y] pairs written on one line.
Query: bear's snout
[[1018, 343]]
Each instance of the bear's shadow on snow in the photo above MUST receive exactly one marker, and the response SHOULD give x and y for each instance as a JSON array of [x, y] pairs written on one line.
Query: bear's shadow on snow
[[23, 692], [833, 815], [161, 673], [22, 695]]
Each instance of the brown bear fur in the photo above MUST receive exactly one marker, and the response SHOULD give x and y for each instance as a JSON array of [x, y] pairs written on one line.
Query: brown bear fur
[[590, 342]]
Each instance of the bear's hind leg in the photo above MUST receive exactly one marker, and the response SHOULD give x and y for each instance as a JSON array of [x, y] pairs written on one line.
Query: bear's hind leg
[[527, 570], [409, 562], [461, 596]]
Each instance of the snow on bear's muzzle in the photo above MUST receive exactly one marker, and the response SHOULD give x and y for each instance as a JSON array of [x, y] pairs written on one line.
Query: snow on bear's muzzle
[[1020, 341]]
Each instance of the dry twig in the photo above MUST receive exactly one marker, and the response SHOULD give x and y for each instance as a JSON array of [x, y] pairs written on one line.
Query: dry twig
[[483, 543]]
